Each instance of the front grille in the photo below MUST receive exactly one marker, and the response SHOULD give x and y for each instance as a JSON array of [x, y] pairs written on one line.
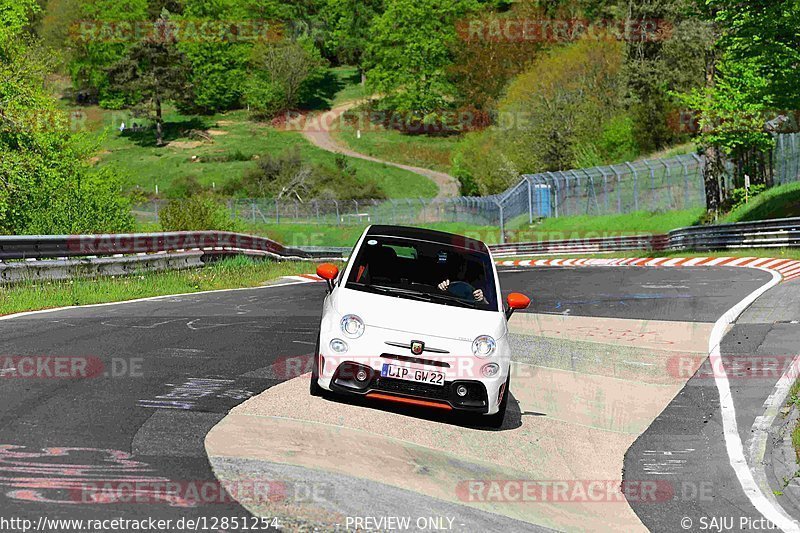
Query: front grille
[[423, 390]]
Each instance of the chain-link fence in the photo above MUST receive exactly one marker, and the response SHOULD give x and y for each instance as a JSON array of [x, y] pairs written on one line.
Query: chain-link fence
[[663, 184]]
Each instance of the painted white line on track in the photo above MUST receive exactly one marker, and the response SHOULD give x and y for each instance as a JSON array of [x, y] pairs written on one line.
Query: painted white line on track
[[768, 507]]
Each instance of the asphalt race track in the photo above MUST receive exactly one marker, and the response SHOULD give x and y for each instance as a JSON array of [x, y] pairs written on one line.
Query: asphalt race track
[[168, 370]]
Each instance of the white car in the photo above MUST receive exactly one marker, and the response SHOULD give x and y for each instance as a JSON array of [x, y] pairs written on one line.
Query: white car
[[416, 318]]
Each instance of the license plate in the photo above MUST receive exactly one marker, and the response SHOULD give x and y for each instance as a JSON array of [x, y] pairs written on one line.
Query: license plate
[[417, 375]]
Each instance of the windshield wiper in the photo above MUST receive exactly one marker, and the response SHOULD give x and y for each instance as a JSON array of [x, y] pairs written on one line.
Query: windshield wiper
[[457, 300], [425, 297], [418, 295]]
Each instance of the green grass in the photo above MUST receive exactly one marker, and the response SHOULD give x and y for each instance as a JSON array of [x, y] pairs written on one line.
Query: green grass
[[232, 153], [227, 274], [585, 226], [349, 85], [298, 234], [778, 202], [347, 235], [426, 151], [794, 400]]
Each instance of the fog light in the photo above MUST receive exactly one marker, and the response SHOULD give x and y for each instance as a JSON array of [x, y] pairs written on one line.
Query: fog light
[[461, 390], [361, 375], [490, 370], [338, 346]]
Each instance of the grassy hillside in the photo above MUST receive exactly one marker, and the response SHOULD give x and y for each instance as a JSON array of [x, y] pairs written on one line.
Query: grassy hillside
[[778, 202], [235, 144]]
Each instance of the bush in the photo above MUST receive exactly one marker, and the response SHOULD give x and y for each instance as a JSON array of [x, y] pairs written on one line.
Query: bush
[[196, 213], [264, 99], [185, 187], [287, 175], [738, 197]]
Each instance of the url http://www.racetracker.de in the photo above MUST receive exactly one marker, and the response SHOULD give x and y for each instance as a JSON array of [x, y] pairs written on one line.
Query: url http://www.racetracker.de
[[153, 525]]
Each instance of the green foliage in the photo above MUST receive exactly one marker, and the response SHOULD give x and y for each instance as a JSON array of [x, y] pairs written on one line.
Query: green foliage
[[288, 175], [409, 50], [349, 23], [46, 182], [282, 74], [14, 16], [777, 202], [761, 37], [152, 72], [568, 110], [198, 212], [97, 43], [481, 165], [741, 196], [616, 143]]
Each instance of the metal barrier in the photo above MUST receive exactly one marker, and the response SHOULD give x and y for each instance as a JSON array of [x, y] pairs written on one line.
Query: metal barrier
[[126, 253], [56, 246], [776, 233], [582, 246]]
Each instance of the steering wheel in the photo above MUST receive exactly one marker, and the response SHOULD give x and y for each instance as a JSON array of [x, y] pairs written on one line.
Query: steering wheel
[[461, 289]]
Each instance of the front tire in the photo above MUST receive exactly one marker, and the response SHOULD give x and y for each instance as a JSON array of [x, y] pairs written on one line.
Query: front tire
[[314, 388], [496, 420]]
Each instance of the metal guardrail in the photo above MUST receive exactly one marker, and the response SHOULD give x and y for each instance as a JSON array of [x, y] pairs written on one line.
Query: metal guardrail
[[54, 256], [210, 242], [775, 233], [582, 246]]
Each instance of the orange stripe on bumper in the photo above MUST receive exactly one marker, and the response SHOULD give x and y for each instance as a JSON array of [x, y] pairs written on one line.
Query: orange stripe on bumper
[[409, 401]]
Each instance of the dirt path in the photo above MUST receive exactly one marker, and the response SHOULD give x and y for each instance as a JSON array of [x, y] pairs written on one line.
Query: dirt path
[[318, 132]]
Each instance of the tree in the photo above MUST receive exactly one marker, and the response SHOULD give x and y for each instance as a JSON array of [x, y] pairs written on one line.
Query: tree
[[349, 23], [47, 184], [284, 69], [101, 38], [752, 72], [410, 50], [154, 71]]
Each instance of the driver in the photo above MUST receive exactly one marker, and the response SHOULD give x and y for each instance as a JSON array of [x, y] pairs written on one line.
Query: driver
[[460, 274]]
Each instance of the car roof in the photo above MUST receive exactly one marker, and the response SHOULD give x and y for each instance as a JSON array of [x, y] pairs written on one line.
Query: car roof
[[422, 234]]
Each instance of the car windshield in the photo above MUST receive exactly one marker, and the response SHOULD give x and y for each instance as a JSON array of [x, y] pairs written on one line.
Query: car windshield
[[426, 271]]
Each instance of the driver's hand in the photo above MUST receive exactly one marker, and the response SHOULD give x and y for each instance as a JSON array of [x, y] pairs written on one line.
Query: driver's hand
[[478, 295], [443, 285]]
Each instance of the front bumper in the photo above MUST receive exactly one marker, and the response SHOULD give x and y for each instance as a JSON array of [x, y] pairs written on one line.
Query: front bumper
[[340, 375]]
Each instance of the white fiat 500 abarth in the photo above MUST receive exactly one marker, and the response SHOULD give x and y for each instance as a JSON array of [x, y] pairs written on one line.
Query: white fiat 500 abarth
[[416, 318]]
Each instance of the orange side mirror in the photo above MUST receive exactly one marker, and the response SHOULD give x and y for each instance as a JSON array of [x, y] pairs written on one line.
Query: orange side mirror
[[518, 301], [327, 271]]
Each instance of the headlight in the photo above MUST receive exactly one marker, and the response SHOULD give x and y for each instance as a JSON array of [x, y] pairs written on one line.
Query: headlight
[[338, 346], [352, 326], [483, 346]]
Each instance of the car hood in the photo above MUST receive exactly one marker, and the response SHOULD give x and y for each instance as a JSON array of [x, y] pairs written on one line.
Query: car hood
[[412, 316]]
